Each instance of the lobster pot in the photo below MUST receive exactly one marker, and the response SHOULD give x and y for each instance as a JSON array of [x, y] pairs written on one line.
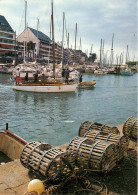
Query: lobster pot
[[130, 127], [121, 142], [92, 154], [45, 160], [89, 125]]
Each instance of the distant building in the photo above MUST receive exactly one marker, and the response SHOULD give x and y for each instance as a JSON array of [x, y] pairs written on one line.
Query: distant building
[[7, 38], [36, 44]]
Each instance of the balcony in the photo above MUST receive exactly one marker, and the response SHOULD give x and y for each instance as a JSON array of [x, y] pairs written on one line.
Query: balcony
[[7, 44], [3, 49], [3, 37], [6, 32]]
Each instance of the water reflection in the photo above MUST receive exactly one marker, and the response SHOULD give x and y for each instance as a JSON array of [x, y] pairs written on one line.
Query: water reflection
[[17, 95]]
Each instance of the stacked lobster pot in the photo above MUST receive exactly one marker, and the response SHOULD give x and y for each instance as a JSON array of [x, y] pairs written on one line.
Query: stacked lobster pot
[[45, 160], [120, 141], [89, 125], [92, 154], [130, 128]]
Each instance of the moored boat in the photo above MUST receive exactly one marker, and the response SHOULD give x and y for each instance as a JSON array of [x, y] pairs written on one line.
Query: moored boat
[[100, 72], [126, 72], [86, 84], [11, 144], [89, 69]]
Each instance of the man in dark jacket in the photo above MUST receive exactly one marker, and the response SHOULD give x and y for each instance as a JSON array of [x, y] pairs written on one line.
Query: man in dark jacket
[[67, 75]]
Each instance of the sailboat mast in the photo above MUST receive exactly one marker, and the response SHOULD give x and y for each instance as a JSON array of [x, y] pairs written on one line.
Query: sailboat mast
[[127, 55], [101, 54], [112, 51], [25, 43], [37, 26], [49, 41], [68, 50], [75, 43], [103, 59], [37, 37], [80, 52], [63, 40], [25, 12], [53, 46], [91, 51]]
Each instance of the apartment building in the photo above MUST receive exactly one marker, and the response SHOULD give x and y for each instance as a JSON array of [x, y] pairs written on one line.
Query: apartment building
[[7, 38]]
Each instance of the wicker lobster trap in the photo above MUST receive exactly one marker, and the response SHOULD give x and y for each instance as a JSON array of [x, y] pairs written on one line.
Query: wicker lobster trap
[[130, 128], [89, 125], [121, 141], [45, 160], [92, 154]]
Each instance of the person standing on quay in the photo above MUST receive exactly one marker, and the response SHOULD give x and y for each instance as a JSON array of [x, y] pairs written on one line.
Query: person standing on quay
[[18, 76]]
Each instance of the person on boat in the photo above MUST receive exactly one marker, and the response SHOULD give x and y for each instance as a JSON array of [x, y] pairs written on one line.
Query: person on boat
[[43, 78], [18, 79], [80, 79], [36, 76], [26, 77], [67, 71], [63, 75]]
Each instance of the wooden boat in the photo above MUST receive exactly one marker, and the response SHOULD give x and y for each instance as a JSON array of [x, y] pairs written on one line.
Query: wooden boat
[[11, 144], [87, 84], [46, 87]]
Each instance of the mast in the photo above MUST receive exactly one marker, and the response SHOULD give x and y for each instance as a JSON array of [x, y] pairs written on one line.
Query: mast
[[25, 12], [68, 49], [49, 41], [80, 52], [103, 59], [63, 40], [101, 54], [75, 43], [37, 26], [127, 55], [91, 50], [112, 51], [37, 37], [53, 45], [25, 42]]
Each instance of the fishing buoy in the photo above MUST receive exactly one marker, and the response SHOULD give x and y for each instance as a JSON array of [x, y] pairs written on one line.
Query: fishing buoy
[[36, 186]]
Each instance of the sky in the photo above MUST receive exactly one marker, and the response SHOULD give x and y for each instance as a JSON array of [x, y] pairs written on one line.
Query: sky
[[96, 20]]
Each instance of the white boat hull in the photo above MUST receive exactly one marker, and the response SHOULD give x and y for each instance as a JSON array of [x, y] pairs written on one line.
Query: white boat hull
[[46, 88]]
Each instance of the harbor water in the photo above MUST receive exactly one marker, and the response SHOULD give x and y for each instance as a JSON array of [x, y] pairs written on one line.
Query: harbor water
[[56, 117]]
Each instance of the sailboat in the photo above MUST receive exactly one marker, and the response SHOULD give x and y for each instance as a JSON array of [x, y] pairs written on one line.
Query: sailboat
[[46, 87]]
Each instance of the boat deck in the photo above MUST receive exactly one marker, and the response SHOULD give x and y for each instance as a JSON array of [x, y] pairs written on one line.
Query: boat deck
[[14, 178]]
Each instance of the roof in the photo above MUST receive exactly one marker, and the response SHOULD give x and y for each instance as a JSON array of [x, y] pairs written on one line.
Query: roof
[[41, 36], [4, 25]]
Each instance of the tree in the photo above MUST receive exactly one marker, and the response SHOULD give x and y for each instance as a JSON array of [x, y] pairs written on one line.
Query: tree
[[92, 57], [131, 63]]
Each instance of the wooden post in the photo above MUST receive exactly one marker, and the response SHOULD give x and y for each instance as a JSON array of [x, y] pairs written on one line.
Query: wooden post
[[6, 126]]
